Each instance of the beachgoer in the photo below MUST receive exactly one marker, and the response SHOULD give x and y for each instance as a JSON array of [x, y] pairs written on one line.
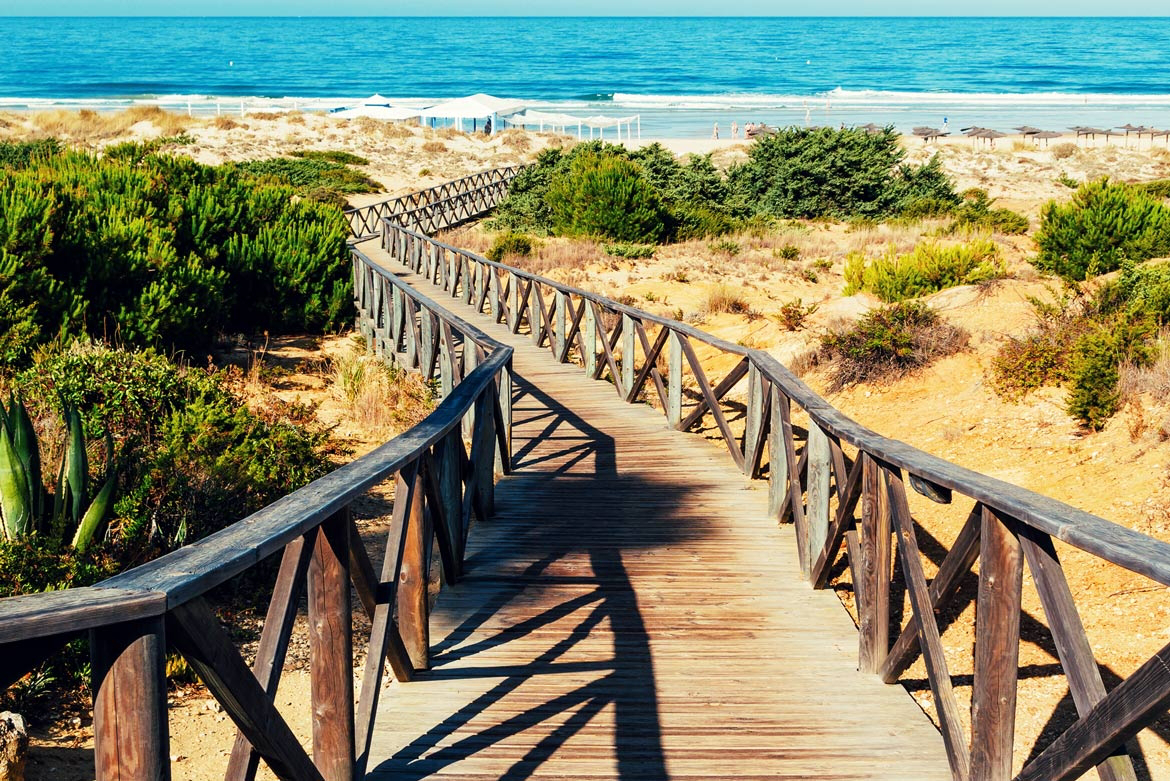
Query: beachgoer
[[944, 127], [487, 127], [749, 130], [715, 131], [734, 129]]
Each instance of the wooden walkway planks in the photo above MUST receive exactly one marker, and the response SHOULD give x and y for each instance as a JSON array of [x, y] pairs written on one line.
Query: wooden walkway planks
[[632, 613]]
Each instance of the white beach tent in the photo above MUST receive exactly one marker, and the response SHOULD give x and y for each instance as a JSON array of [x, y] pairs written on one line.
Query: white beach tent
[[392, 113], [473, 107]]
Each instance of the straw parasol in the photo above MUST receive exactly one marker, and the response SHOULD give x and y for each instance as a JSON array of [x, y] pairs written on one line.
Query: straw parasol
[[988, 135], [1027, 130], [870, 128], [1046, 135]]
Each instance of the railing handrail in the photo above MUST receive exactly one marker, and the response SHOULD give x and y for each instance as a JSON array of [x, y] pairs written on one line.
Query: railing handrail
[[422, 199], [1096, 535]]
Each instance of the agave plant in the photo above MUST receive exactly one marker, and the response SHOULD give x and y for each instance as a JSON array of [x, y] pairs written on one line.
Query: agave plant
[[26, 508]]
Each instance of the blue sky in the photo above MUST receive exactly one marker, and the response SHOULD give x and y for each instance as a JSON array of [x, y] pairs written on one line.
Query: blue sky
[[568, 8]]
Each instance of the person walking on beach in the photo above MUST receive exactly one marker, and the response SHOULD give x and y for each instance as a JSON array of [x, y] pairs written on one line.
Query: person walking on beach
[[715, 131], [734, 129]]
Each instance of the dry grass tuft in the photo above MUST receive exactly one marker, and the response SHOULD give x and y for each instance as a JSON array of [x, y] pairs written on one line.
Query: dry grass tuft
[[1152, 379], [435, 147], [91, 125], [517, 139], [226, 123], [1064, 151], [722, 298], [266, 115], [379, 397]]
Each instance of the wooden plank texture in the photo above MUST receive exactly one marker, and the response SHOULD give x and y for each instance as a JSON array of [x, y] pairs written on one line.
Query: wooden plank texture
[[633, 611]]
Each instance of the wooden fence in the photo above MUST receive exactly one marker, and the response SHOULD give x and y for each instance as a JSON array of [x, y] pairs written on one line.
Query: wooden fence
[[437, 208], [844, 486], [133, 618]]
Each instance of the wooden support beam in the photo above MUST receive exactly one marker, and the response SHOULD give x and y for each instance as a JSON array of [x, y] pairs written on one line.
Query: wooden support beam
[[1068, 634], [818, 488], [207, 648], [274, 640], [413, 613], [997, 649], [128, 664], [874, 568]]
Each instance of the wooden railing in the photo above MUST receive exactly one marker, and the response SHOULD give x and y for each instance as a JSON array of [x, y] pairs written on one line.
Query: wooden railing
[[844, 486], [438, 208], [133, 618]]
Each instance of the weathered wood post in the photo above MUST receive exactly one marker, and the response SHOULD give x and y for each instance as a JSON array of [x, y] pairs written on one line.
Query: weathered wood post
[[674, 376], [470, 361], [629, 353], [819, 457], [494, 293], [486, 467], [450, 476], [128, 664], [446, 361], [757, 417], [412, 579], [426, 357], [331, 650], [504, 459], [560, 326], [589, 339], [997, 649], [535, 312], [873, 590], [777, 459]]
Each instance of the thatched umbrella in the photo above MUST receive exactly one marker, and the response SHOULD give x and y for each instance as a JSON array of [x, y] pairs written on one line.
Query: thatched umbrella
[[989, 135], [1046, 135], [870, 128], [1027, 130]]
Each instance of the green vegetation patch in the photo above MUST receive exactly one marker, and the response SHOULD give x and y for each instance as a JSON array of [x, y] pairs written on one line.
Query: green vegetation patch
[[1104, 223], [930, 267], [154, 250]]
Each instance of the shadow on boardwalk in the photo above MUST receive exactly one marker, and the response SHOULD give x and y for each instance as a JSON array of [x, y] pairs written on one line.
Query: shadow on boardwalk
[[573, 543]]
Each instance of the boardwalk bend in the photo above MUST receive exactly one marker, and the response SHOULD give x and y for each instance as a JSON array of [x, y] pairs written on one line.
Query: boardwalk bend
[[619, 600]]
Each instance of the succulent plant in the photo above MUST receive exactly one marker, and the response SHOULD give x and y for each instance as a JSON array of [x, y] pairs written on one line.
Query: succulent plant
[[26, 508]]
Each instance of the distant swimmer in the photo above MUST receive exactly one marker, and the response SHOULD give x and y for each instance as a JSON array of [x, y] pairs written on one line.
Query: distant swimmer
[[734, 129], [715, 131]]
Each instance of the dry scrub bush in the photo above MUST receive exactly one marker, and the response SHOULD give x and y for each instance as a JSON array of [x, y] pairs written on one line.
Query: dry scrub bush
[[226, 123], [435, 147], [450, 132], [295, 118], [1153, 378], [888, 343], [1064, 151], [266, 115]]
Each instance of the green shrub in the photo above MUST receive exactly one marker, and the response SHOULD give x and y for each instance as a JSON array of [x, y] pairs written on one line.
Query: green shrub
[[725, 247], [1104, 223], [631, 251], [331, 156], [800, 172], [930, 267], [793, 314], [19, 154], [787, 252], [606, 196], [682, 201], [1093, 394], [156, 250], [975, 213], [888, 343], [308, 173], [509, 243], [1159, 188]]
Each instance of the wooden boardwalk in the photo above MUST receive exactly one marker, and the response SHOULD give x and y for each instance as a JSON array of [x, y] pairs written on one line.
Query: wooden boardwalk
[[632, 612]]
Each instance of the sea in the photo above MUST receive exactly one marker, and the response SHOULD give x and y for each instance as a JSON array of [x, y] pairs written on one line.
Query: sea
[[678, 76]]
